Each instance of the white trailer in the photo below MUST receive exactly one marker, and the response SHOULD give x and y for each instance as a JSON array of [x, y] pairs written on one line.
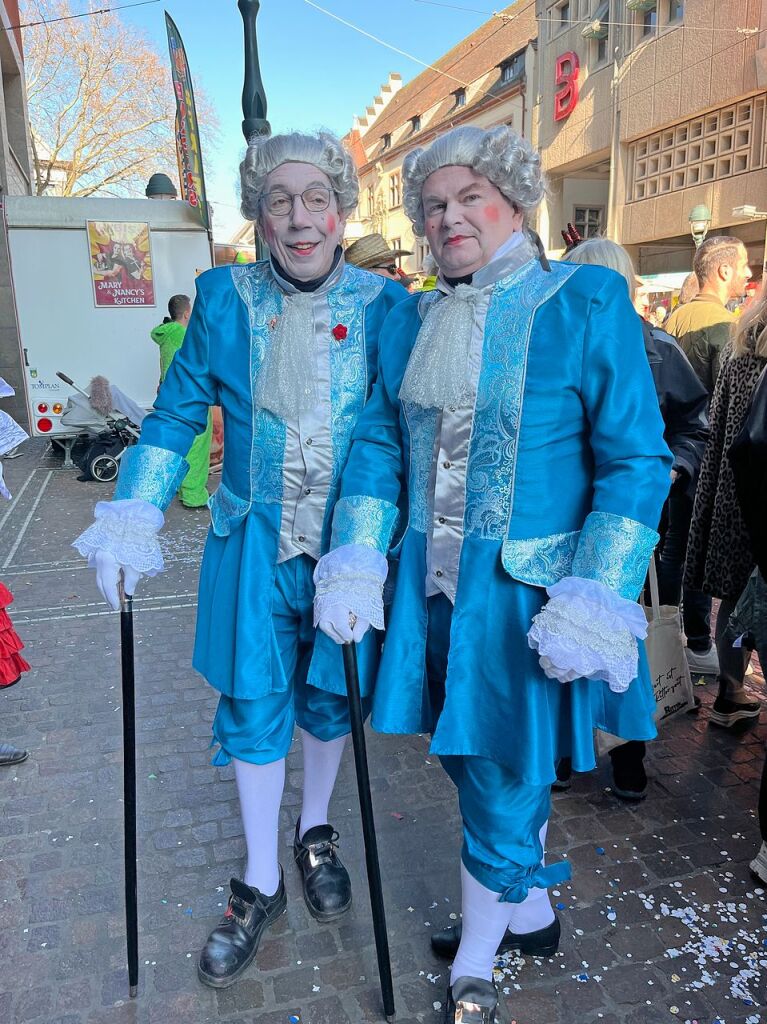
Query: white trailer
[[60, 326]]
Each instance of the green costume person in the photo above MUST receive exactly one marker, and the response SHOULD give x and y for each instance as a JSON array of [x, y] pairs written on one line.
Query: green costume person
[[169, 336]]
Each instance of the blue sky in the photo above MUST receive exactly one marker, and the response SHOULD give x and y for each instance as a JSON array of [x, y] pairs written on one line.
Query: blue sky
[[317, 72]]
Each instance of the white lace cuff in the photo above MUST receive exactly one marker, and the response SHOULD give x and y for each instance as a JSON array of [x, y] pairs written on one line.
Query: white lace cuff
[[587, 631], [128, 530], [352, 576]]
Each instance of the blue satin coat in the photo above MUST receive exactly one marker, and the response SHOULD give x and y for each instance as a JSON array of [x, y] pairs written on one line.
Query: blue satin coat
[[218, 364], [566, 476]]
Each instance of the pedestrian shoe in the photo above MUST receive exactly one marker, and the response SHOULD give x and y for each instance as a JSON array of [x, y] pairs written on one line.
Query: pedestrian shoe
[[703, 663], [233, 943], [10, 755], [564, 775], [629, 776], [543, 942], [327, 886], [473, 1001], [727, 713], [758, 865]]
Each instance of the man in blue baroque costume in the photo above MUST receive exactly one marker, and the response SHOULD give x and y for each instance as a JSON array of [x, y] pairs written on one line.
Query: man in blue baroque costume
[[288, 348], [515, 408]]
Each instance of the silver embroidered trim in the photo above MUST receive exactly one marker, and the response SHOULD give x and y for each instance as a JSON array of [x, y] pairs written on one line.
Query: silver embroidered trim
[[615, 551], [287, 378]]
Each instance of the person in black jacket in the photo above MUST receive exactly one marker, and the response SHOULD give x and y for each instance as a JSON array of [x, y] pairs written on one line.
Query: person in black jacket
[[683, 402]]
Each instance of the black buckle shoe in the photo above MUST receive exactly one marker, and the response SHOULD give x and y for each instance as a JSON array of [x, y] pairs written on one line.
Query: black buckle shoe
[[233, 943], [473, 1001], [327, 886], [543, 942]]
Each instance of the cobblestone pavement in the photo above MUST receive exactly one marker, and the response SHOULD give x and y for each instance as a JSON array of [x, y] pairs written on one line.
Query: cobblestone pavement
[[662, 921]]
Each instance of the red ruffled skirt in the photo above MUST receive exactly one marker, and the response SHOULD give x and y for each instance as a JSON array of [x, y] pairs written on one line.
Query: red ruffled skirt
[[11, 662]]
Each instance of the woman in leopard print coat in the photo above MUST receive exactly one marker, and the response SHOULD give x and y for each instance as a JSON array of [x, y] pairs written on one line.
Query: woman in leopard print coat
[[719, 555]]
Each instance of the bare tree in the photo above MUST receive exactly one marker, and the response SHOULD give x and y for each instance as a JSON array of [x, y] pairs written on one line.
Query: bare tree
[[101, 104]]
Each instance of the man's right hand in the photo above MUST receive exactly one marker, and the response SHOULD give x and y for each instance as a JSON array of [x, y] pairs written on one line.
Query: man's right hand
[[109, 575]]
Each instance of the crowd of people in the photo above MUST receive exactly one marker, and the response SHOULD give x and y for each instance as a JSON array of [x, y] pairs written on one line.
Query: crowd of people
[[478, 473]]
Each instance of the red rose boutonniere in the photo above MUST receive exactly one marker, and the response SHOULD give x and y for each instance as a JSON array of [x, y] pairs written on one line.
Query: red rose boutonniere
[[340, 332]]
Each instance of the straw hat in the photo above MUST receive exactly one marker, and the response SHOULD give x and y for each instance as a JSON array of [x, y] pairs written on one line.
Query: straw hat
[[372, 251]]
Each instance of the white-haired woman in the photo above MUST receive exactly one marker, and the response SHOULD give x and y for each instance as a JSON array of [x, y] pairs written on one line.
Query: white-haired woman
[[518, 406], [288, 347]]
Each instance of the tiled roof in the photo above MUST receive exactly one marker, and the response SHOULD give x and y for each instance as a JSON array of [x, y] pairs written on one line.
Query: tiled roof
[[468, 61]]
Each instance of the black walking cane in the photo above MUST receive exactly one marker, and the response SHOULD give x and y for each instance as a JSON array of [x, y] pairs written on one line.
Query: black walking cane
[[129, 785], [368, 829]]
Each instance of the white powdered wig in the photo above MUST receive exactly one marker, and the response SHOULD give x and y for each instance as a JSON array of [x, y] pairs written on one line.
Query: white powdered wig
[[322, 150], [500, 154]]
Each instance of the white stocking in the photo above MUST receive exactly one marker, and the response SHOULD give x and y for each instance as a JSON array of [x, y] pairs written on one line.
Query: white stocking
[[260, 787], [321, 763], [484, 922], [535, 910]]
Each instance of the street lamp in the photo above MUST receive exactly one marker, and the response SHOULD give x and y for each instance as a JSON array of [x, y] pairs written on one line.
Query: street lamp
[[749, 212], [160, 186], [253, 93], [700, 222]]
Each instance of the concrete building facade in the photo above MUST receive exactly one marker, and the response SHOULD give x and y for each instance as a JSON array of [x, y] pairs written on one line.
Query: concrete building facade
[[647, 109], [15, 179], [484, 80]]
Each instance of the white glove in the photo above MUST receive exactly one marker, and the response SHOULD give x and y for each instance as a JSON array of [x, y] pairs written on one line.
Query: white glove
[[109, 575], [342, 625]]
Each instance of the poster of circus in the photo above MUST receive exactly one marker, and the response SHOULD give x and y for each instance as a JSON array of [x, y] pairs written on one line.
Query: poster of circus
[[121, 263]]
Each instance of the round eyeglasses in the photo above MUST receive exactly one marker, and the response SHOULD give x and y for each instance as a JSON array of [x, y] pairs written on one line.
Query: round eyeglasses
[[280, 204]]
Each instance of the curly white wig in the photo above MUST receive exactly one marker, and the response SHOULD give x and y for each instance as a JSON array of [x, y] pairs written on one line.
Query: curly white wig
[[323, 150], [500, 154]]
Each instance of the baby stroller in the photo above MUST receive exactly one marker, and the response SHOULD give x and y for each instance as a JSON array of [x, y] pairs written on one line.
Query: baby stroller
[[110, 422]]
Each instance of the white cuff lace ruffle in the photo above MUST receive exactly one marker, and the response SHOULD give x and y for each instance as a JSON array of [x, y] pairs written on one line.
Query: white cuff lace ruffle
[[587, 631], [352, 576], [128, 530]]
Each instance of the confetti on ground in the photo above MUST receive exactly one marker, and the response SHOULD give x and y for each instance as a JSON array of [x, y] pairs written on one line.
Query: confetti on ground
[[397, 815]]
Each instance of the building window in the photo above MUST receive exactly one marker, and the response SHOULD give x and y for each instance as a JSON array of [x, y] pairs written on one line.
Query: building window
[[423, 250], [513, 68], [460, 97], [396, 243], [715, 146], [416, 123], [588, 220], [564, 14], [649, 22], [675, 10], [601, 50], [386, 140], [395, 191], [371, 200]]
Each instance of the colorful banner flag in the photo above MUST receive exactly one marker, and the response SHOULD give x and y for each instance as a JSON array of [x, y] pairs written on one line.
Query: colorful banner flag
[[121, 263], [187, 128]]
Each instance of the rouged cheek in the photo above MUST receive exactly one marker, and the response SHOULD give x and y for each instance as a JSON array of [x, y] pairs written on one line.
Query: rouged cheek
[[492, 213], [331, 222]]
